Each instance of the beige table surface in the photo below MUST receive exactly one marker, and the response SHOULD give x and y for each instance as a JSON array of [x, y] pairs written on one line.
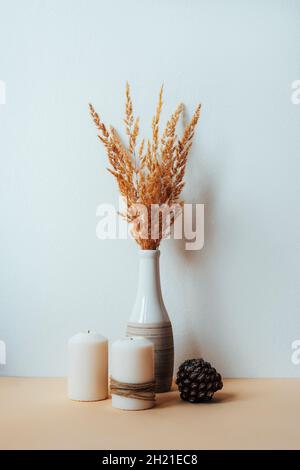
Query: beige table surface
[[35, 413]]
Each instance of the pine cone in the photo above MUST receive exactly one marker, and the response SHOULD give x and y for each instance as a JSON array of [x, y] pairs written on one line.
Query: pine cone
[[197, 381]]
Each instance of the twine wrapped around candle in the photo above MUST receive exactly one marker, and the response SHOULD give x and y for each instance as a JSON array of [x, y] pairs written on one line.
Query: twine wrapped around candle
[[143, 391]]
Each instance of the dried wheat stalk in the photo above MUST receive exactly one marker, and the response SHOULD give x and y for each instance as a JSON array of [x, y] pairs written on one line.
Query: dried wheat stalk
[[151, 174]]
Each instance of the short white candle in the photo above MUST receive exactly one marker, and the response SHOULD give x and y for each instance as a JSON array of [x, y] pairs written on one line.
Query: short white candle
[[132, 362], [88, 367]]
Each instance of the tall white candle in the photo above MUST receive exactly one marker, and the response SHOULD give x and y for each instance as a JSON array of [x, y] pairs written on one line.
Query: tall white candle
[[88, 367], [132, 362]]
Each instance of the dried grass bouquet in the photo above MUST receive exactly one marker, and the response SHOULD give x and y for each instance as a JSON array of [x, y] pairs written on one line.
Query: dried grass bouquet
[[149, 176]]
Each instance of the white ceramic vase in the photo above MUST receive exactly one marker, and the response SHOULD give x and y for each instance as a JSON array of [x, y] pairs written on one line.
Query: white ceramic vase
[[149, 318]]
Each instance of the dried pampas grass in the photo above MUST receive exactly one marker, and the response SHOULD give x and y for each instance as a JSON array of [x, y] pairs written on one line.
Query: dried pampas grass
[[149, 174]]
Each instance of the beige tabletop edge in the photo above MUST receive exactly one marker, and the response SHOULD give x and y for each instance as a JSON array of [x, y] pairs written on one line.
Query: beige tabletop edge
[[35, 413]]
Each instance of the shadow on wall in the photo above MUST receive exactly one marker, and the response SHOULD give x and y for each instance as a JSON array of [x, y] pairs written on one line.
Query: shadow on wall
[[203, 328]]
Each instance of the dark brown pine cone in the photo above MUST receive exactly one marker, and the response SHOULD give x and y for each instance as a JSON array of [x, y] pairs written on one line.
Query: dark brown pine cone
[[197, 381]]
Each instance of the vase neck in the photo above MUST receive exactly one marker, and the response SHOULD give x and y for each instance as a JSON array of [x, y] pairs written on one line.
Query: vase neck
[[149, 274], [149, 306]]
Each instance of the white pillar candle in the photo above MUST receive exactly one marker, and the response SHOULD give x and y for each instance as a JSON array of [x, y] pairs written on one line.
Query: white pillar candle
[[132, 362], [88, 367]]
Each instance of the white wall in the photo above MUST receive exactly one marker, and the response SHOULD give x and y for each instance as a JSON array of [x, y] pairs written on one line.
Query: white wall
[[236, 302]]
